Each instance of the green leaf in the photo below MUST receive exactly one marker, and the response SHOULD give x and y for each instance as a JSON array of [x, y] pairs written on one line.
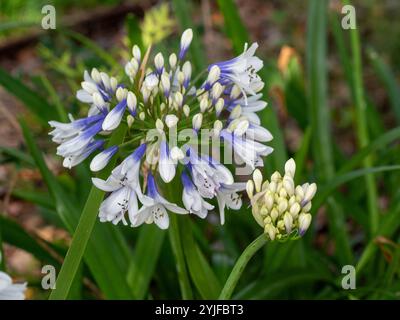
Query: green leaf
[[143, 264], [200, 271], [15, 235], [233, 25], [324, 192], [182, 9], [319, 117], [82, 235], [100, 52], [32, 101], [133, 30], [389, 81], [17, 155], [107, 253]]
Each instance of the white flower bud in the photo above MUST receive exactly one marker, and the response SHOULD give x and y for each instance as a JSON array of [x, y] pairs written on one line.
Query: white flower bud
[[98, 99], [236, 112], [171, 120], [131, 101], [136, 53], [310, 192], [276, 176], [130, 119], [162, 106], [217, 128], [197, 121], [121, 93], [159, 125], [176, 154], [299, 193], [105, 79], [216, 90], [204, 104], [102, 159], [294, 209], [307, 207], [142, 116], [89, 87], [282, 205], [288, 220], [172, 60], [250, 188], [187, 70], [219, 106], [304, 222], [181, 77], [213, 75], [178, 98], [257, 177], [95, 74], [165, 82], [145, 93], [151, 81], [270, 230], [113, 83], [159, 62], [186, 39], [288, 184], [186, 110], [268, 200], [290, 167], [235, 92]]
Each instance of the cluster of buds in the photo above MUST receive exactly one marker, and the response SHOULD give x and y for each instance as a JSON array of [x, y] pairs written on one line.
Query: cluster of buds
[[280, 207], [161, 108]]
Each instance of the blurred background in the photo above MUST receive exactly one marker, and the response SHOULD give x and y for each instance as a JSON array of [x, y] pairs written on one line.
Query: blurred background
[[334, 105]]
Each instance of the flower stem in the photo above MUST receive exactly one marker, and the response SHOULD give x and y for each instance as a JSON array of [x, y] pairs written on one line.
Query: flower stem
[[240, 265], [176, 244]]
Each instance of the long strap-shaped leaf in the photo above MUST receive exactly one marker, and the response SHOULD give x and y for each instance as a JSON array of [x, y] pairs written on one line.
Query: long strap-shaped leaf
[[33, 101], [83, 232], [107, 254]]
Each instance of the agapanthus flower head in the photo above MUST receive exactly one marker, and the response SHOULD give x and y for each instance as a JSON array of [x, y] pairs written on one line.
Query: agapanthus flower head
[[169, 119], [10, 290], [280, 207]]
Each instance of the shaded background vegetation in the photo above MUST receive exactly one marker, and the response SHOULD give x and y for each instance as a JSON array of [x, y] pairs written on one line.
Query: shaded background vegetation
[[334, 105]]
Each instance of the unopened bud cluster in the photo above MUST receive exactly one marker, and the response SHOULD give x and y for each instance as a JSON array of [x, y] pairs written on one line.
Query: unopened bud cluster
[[279, 206]]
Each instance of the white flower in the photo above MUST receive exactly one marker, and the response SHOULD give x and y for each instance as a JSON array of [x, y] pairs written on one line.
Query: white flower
[[10, 291], [227, 195], [166, 165], [249, 151], [123, 183], [242, 70], [192, 199], [155, 208]]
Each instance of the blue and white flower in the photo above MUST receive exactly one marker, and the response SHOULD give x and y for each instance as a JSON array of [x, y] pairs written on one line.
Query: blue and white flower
[[123, 183], [242, 71], [154, 209], [10, 290], [192, 199]]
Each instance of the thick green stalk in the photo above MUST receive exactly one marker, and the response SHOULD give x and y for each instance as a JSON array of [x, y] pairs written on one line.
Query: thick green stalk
[[176, 244], [362, 128], [240, 265]]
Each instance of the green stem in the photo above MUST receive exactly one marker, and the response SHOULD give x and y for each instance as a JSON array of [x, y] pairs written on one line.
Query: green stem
[[362, 129], [176, 244], [240, 265], [177, 247]]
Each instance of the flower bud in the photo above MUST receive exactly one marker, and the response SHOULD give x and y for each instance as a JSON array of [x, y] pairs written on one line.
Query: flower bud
[[121, 94], [304, 222], [186, 110], [98, 100], [290, 168], [102, 159], [204, 103], [171, 120], [89, 87], [186, 39], [131, 102], [219, 106], [257, 177], [213, 75], [95, 74], [172, 60], [130, 119], [197, 121], [250, 188], [136, 53], [159, 62]]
